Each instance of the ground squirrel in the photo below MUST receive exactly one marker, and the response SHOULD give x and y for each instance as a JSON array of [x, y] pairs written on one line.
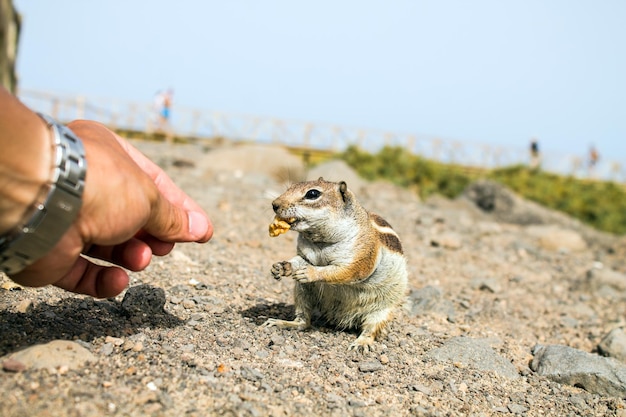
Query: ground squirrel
[[349, 265]]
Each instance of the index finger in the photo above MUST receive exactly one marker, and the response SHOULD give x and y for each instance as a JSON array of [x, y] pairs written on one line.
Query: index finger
[[172, 194]]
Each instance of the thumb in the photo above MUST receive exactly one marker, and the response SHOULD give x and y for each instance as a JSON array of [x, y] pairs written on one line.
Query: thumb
[[171, 223]]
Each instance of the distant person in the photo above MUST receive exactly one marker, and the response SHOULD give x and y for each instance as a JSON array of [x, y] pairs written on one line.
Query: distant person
[[535, 157], [167, 107], [594, 156], [163, 108]]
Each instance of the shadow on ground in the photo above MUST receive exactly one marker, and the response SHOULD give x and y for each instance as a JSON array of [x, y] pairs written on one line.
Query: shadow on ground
[[85, 319]]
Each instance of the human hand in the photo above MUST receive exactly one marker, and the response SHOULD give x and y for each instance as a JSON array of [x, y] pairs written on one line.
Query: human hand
[[131, 211]]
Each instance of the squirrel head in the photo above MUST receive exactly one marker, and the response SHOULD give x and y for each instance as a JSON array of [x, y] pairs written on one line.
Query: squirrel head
[[315, 207]]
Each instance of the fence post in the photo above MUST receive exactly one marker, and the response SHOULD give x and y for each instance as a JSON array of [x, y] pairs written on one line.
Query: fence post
[[80, 107]]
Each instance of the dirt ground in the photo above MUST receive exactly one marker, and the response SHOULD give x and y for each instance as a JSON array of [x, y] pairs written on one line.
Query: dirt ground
[[205, 353]]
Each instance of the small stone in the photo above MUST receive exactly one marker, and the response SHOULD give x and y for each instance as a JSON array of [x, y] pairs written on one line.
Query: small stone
[[12, 365], [262, 354], [144, 299], [115, 341], [188, 304], [517, 408], [106, 349], [371, 366], [181, 258], [11, 286], [361, 385], [447, 240], [594, 373], [50, 315], [554, 238], [24, 306], [384, 359], [188, 359], [356, 403], [251, 374], [277, 340], [421, 388], [487, 284], [614, 345], [145, 398], [476, 353], [189, 347], [57, 354]]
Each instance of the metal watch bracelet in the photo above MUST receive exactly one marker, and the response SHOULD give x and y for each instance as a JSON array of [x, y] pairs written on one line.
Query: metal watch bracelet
[[55, 208]]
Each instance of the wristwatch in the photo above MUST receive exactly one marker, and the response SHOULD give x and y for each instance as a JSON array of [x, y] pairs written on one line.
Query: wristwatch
[[54, 209]]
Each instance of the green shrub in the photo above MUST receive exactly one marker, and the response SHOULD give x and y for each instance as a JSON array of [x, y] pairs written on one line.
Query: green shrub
[[597, 203]]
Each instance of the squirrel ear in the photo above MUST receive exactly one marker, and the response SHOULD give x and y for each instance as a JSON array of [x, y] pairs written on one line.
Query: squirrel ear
[[343, 189], [320, 179]]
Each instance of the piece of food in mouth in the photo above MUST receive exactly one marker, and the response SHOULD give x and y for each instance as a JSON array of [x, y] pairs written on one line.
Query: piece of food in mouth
[[279, 226]]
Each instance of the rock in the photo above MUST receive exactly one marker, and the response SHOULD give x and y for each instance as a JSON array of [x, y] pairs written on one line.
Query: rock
[[116, 341], [106, 349], [557, 239], [497, 200], [597, 278], [614, 345], [566, 365], [54, 355], [429, 299], [144, 299], [251, 374], [491, 285], [370, 366], [516, 408], [422, 388], [183, 163], [182, 259], [10, 286], [473, 353], [25, 306], [447, 240], [501, 204], [12, 365]]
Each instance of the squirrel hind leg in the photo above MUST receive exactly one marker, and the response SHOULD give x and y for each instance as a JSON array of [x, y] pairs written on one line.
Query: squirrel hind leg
[[298, 323], [301, 322], [373, 326], [303, 301]]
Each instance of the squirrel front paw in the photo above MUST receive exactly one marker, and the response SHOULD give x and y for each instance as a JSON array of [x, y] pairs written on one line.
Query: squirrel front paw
[[302, 275], [281, 269]]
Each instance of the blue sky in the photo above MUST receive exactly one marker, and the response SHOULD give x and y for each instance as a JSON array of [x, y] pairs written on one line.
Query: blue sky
[[486, 71]]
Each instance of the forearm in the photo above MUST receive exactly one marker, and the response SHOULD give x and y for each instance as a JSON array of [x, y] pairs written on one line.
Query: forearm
[[25, 159]]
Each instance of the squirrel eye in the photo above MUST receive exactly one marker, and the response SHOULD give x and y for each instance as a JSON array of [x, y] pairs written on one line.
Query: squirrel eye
[[312, 194]]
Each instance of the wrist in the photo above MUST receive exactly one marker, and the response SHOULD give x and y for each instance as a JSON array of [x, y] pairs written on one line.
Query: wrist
[[25, 171], [55, 207]]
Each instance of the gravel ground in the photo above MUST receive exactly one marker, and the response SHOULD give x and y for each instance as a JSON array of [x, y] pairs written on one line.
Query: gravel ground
[[186, 340]]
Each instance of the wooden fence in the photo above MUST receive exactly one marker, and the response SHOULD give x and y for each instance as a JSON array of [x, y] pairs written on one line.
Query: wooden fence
[[196, 124]]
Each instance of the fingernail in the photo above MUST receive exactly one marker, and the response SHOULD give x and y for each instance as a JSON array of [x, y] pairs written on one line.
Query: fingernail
[[198, 224]]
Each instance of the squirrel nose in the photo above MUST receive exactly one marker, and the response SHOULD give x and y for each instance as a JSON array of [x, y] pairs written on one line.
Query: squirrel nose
[[275, 207]]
